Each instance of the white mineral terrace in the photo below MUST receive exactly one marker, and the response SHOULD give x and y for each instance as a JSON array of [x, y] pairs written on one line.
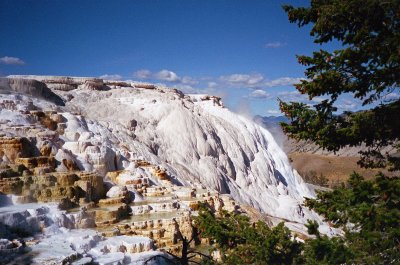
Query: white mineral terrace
[[128, 163]]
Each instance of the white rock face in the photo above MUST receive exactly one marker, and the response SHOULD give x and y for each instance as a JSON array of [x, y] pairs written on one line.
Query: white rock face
[[194, 138], [28, 218], [149, 143], [125, 244], [60, 245], [117, 191]]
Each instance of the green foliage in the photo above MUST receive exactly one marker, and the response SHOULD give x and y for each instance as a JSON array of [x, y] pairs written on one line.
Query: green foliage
[[324, 250], [369, 213], [241, 242], [368, 67]]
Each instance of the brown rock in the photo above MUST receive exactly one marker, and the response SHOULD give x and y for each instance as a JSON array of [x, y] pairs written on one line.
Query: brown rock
[[40, 161], [161, 174], [11, 186], [114, 174], [66, 204], [144, 85], [112, 214], [66, 179], [13, 148], [44, 119], [70, 164], [112, 201], [93, 185], [58, 118], [43, 170], [45, 150], [8, 173], [48, 123], [131, 125], [142, 163]]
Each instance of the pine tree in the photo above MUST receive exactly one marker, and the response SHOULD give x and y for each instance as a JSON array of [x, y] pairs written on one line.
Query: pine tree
[[368, 211], [242, 242], [367, 67]]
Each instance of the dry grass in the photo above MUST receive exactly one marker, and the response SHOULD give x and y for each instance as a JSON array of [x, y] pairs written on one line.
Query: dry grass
[[336, 169]]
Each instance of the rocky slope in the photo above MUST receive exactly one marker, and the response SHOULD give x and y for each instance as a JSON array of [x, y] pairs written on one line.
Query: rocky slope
[[137, 159]]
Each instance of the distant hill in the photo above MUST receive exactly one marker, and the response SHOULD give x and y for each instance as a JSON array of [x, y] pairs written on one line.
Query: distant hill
[[271, 119]]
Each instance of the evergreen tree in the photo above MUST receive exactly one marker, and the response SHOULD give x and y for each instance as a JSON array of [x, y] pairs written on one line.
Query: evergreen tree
[[369, 214], [242, 242], [325, 250], [367, 67]]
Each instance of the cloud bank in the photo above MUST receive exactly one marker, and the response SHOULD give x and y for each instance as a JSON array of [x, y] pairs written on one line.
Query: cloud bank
[[165, 76], [11, 60], [259, 94], [242, 79], [111, 77]]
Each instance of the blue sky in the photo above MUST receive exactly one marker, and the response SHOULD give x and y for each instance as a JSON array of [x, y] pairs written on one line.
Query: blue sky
[[242, 50]]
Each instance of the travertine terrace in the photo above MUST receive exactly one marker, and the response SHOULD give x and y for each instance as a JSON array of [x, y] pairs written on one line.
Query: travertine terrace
[[114, 171]]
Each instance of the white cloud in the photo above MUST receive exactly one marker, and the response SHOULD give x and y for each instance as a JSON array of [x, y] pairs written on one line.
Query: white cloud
[[243, 79], [11, 60], [165, 76], [257, 81], [259, 94], [212, 84], [275, 44], [296, 96], [189, 84], [187, 80], [391, 96], [142, 74], [318, 99], [347, 105], [283, 81], [187, 89], [289, 94], [273, 112], [168, 76], [111, 77]]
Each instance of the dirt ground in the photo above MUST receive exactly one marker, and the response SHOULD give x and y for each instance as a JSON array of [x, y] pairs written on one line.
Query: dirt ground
[[336, 169]]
